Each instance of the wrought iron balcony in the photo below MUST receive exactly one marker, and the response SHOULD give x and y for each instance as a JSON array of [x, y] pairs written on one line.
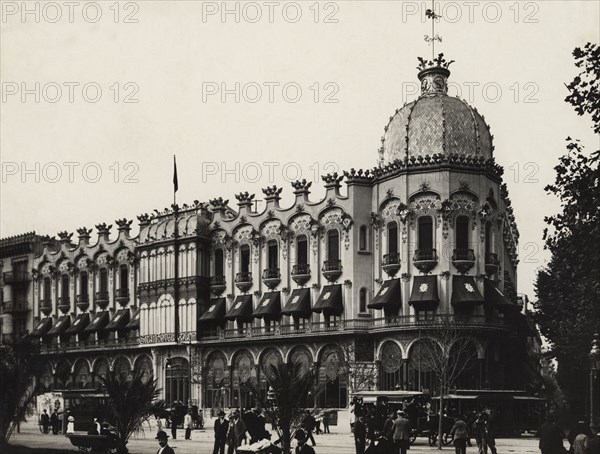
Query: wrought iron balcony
[[301, 273], [64, 304], [15, 307], [122, 296], [101, 299], [391, 264], [332, 270], [217, 285], [492, 264], [16, 277], [271, 277], [463, 260], [46, 306], [425, 259], [243, 281], [83, 301]]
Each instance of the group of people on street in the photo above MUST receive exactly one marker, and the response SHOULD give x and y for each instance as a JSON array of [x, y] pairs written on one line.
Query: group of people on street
[[581, 439], [51, 421]]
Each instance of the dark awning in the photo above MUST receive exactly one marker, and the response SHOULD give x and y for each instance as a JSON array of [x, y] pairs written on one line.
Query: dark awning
[[330, 300], [497, 299], [61, 325], [134, 323], [465, 293], [299, 304], [119, 321], [215, 312], [241, 309], [99, 322], [79, 324], [42, 327], [424, 296], [388, 296], [269, 307]]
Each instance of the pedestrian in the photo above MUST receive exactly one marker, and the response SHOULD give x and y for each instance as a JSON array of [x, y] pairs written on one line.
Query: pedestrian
[[580, 428], [188, 424], [326, 423], [54, 422], [70, 424], [221, 428], [318, 420], [594, 442], [460, 435], [580, 444], [308, 424], [388, 425], [302, 447], [174, 422], [261, 422], [360, 434], [163, 441], [551, 437], [489, 434], [97, 425], [401, 433], [45, 420], [479, 432], [237, 432]]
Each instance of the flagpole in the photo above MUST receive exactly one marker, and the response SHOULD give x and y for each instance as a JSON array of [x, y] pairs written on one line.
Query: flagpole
[[176, 247]]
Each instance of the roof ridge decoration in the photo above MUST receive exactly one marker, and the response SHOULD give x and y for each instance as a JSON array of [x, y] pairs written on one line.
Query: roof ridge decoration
[[332, 179], [301, 186], [245, 198]]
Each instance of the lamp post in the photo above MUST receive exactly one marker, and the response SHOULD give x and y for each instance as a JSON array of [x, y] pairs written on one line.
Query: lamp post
[[594, 377]]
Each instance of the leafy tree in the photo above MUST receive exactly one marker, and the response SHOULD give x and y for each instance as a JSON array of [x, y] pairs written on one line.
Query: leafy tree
[[131, 402], [20, 369], [568, 288]]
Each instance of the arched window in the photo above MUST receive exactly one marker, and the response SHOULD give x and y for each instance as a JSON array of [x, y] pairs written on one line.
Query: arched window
[[83, 283], [392, 230], [124, 277], [47, 289], [391, 368], [362, 297], [333, 245], [64, 290], [103, 280], [362, 238], [273, 255], [425, 234], [244, 258], [219, 268], [302, 250], [462, 233], [489, 240], [177, 380]]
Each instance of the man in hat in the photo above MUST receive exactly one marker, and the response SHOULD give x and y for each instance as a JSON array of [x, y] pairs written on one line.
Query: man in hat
[[551, 437], [188, 424], [360, 434], [163, 441], [302, 447], [221, 428], [401, 433], [308, 424], [45, 419], [237, 432]]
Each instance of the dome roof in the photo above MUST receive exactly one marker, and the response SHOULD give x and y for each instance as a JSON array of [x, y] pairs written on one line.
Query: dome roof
[[435, 123]]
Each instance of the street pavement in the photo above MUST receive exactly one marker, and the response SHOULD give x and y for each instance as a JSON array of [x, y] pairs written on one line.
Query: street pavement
[[202, 442]]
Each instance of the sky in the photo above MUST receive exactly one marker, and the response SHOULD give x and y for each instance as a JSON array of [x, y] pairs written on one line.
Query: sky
[[97, 97]]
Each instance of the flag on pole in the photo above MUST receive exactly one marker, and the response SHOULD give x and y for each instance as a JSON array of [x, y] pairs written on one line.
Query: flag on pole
[[175, 182]]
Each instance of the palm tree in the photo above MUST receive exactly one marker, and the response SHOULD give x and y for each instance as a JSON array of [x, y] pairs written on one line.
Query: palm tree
[[131, 402], [291, 386]]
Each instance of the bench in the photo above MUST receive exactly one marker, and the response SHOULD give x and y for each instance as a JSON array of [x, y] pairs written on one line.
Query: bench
[[94, 443]]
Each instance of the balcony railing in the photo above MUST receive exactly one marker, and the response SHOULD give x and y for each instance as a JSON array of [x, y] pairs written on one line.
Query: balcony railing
[[425, 259], [243, 281], [391, 264], [64, 303], [122, 296], [332, 269], [83, 301], [492, 264], [16, 277], [91, 344], [217, 284], [463, 260], [301, 273], [102, 299], [13, 307], [356, 325], [271, 277]]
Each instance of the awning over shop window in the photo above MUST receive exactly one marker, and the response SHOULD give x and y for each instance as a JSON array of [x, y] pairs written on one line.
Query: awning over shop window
[[497, 299], [61, 325], [465, 293], [134, 323], [215, 313], [299, 304], [119, 321], [388, 297], [330, 301], [241, 309], [424, 296], [42, 327], [99, 322], [269, 307], [79, 324]]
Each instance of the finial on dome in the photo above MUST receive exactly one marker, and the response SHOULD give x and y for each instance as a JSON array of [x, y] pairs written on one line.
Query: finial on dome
[[434, 74]]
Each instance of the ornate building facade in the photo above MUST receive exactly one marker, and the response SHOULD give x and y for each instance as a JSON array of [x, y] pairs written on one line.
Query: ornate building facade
[[206, 296]]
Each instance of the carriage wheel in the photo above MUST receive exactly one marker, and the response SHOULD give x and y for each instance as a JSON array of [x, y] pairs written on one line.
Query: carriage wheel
[[412, 438], [446, 439], [432, 439]]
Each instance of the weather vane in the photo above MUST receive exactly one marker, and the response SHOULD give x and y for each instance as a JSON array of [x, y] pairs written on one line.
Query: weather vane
[[430, 13]]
